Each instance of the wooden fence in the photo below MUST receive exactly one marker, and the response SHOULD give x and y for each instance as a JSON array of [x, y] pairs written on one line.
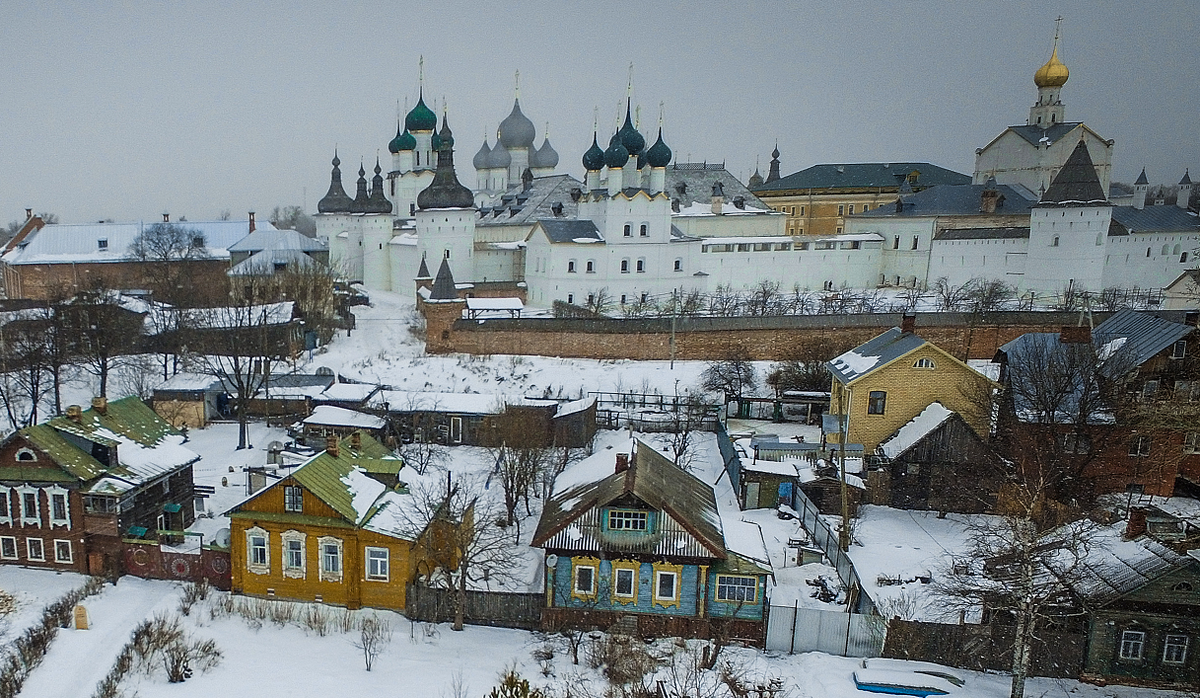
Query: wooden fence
[[148, 560], [483, 607], [983, 647]]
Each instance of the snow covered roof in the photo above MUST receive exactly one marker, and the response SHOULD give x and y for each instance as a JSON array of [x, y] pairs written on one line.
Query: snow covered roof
[[234, 317], [916, 429], [328, 415], [348, 392], [267, 262], [494, 304], [1113, 567], [272, 239], [786, 468], [109, 242], [872, 354], [567, 409], [452, 403], [701, 208], [188, 382]]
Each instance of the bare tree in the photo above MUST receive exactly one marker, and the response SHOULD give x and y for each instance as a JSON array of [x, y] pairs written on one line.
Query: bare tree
[[100, 330], [733, 376], [599, 301], [765, 299], [293, 218], [374, 633], [804, 367], [988, 295], [519, 444], [950, 296], [167, 251], [686, 418], [459, 536]]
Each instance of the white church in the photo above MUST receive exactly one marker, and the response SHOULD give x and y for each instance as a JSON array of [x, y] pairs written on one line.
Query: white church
[[639, 225]]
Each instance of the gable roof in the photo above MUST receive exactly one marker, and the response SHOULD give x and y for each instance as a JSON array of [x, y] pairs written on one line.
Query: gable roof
[[652, 479], [559, 230], [1145, 334], [882, 175], [65, 244], [872, 354], [916, 429], [263, 262], [697, 179], [271, 239], [1113, 567], [955, 200], [1037, 134], [531, 205], [342, 481], [1076, 184]]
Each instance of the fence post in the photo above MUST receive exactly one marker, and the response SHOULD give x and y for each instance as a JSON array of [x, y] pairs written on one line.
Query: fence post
[[795, 614]]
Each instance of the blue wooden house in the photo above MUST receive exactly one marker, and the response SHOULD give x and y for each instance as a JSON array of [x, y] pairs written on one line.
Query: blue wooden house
[[644, 545]]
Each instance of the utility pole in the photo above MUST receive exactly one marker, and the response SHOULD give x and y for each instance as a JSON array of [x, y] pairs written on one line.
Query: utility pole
[[844, 427]]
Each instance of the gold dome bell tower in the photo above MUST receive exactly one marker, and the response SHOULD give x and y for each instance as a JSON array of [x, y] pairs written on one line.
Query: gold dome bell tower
[[1049, 111]]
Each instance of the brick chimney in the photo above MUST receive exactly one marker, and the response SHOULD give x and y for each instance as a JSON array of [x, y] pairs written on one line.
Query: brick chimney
[[1075, 335], [356, 441], [988, 201], [331, 445], [1136, 525], [908, 323], [28, 213], [251, 222], [622, 462], [75, 413], [100, 405], [166, 218]]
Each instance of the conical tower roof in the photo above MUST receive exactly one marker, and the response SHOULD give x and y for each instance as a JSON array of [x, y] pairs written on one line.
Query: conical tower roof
[[1076, 183], [336, 200], [423, 270], [443, 285], [1142, 178], [445, 191], [1187, 178]]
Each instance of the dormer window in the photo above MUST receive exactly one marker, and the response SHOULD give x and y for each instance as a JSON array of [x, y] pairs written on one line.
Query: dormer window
[[102, 244], [625, 520]]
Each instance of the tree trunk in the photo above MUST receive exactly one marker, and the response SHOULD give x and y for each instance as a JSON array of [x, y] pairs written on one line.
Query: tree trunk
[[243, 426], [1021, 655], [460, 608]]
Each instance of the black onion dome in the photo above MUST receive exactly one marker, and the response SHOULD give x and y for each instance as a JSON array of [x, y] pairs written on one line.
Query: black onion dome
[[445, 191], [659, 155], [516, 131], [616, 155], [593, 157], [546, 156], [633, 141], [421, 118], [336, 200], [435, 142], [377, 202], [361, 198], [500, 157], [445, 136], [480, 161]]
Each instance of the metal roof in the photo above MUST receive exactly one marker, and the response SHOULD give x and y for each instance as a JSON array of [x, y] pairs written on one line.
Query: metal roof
[[955, 200], [1113, 567], [697, 179], [560, 230], [1011, 233], [271, 239], [80, 243], [531, 205], [882, 175], [328, 476], [873, 354], [263, 263], [658, 483], [1145, 334], [1036, 134], [1154, 219], [1076, 184]]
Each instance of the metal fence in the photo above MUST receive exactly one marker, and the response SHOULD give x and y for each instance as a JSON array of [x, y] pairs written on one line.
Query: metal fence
[[483, 607], [825, 538], [792, 629]]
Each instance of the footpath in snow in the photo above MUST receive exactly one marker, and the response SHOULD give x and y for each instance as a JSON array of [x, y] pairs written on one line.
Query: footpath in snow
[[79, 659]]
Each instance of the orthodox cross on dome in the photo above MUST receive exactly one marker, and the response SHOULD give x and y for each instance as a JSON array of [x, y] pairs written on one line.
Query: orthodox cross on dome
[[421, 74], [1057, 29], [637, 117], [629, 84], [517, 84], [546, 133], [660, 113], [595, 118]]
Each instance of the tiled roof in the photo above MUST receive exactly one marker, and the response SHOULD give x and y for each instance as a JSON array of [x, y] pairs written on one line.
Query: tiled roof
[[954, 200], [865, 175], [652, 479], [873, 354]]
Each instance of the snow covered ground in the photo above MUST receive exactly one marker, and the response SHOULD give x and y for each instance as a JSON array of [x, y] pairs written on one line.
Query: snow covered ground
[[33, 591]]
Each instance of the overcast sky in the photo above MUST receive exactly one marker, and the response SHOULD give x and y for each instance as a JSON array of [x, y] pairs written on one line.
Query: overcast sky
[[125, 110]]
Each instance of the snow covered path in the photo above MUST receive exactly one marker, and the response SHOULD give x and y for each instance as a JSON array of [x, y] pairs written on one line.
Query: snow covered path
[[78, 659]]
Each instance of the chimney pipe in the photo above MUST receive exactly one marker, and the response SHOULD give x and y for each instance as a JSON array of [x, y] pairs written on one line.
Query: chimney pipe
[[331, 445], [908, 323], [100, 405], [1136, 525], [622, 462], [356, 441], [252, 221], [166, 218], [28, 213]]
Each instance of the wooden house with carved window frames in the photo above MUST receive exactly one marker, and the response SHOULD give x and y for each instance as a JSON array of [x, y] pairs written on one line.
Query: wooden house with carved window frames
[[338, 530], [73, 487], [645, 545]]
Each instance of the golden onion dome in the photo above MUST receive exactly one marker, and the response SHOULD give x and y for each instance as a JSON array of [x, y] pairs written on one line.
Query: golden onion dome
[[1053, 74]]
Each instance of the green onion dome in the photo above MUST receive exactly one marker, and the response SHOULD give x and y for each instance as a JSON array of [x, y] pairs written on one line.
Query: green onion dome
[[616, 155], [421, 118], [659, 154], [593, 158]]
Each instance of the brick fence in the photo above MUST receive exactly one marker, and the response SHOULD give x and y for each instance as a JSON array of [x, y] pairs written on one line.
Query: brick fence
[[965, 335], [150, 561]]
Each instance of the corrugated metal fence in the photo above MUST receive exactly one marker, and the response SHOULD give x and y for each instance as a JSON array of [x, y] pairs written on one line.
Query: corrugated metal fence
[[791, 629], [483, 607]]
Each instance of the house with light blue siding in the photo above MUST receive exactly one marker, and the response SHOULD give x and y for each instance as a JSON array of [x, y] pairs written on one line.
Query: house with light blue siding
[[644, 544]]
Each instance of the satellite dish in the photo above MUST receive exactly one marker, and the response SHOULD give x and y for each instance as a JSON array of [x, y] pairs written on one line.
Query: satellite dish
[[324, 371], [551, 560]]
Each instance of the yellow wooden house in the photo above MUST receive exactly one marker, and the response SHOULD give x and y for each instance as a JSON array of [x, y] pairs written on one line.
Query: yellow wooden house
[[340, 529], [881, 385]]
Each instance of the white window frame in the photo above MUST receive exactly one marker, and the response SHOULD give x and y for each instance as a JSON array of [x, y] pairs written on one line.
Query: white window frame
[[286, 539], [327, 574], [288, 504], [591, 590], [1182, 648], [16, 553], [590, 267], [571, 266], [70, 553], [625, 266], [632, 582], [57, 491], [732, 589], [41, 544], [6, 516], [628, 520], [253, 567], [640, 266], [1132, 640], [35, 520], [376, 567], [658, 576]]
